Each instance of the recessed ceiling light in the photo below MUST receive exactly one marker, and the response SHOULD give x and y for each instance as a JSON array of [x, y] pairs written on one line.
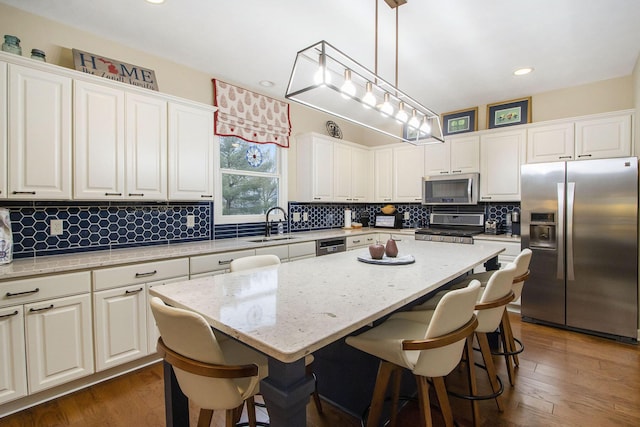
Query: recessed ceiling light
[[522, 71], [155, 1], [267, 83]]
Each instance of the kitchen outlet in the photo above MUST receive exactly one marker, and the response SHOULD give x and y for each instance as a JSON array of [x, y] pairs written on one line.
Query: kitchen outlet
[[296, 216], [305, 216], [406, 216], [191, 221], [56, 227]]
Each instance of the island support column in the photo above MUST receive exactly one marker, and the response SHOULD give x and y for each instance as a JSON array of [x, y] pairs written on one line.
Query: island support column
[[286, 392]]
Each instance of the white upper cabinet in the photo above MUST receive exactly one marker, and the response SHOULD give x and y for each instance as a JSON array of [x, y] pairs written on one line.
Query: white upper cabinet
[[603, 137], [3, 130], [550, 143], [120, 144], [501, 154], [315, 166], [39, 134], [460, 154], [408, 170], [351, 173], [99, 142], [190, 152], [146, 147], [383, 175]]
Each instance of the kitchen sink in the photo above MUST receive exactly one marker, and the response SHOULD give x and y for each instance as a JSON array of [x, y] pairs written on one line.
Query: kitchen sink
[[272, 239]]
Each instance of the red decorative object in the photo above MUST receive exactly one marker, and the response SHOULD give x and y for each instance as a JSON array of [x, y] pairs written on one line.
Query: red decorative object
[[376, 250], [250, 116], [391, 250]]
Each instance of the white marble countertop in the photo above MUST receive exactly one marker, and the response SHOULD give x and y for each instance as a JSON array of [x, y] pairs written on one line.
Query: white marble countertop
[[25, 267], [497, 237], [296, 308]]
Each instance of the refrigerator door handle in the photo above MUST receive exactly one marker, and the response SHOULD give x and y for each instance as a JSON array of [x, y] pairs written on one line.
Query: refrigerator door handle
[[560, 236], [571, 190]]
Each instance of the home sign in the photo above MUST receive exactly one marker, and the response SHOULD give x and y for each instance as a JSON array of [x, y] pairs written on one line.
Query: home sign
[[114, 70]]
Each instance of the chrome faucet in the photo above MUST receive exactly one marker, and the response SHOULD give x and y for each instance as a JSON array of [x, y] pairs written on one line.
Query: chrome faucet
[[267, 228]]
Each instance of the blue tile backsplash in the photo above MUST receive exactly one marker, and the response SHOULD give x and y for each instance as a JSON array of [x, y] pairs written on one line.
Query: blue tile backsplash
[[113, 225]]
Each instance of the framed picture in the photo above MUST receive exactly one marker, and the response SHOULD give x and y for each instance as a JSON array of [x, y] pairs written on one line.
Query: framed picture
[[509, 113], [460, 121]]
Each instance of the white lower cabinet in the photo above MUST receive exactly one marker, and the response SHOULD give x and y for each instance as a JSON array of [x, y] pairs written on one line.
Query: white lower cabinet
[[13, 365], [59, 341], [121, 309], [281, 251], [211, 264], [302, 250], [361, 240], [120, 325], [45, 333]]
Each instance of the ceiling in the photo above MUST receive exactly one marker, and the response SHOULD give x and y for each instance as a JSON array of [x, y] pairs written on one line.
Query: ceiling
[[453, 54]]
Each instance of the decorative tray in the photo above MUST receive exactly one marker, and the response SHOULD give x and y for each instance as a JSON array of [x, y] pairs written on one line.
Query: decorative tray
[[399, 260]]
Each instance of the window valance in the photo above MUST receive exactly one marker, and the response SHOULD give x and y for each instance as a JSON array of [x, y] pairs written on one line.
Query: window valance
[[250, 116]]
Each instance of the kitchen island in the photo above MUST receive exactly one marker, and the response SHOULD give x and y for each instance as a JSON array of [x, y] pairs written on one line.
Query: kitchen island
[[297, 308]]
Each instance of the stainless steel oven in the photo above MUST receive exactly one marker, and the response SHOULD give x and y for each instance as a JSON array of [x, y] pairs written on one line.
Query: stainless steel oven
[[461, 189]]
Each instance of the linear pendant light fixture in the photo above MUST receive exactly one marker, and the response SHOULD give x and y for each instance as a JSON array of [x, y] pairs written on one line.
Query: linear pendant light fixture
[[328, 80]]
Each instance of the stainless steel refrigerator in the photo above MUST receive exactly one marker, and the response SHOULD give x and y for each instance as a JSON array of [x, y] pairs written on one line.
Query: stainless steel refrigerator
[[580, 219]]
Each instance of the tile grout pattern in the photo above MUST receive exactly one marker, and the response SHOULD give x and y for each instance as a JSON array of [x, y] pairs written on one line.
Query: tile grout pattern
[[113, 225]]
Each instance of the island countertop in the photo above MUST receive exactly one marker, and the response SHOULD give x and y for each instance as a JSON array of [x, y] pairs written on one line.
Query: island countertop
[[297, 308]]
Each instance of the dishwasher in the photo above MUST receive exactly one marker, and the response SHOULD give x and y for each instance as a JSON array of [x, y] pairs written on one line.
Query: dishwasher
[[330, 246]]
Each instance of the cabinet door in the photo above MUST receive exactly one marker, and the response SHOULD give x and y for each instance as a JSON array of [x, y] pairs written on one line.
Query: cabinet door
[[408, 170], [146, 147], [500, 160], [465, 154], [383, 175], [322, 170], [59, 341], [120, 322], [437, 158], [152, 330], [13, 367], [3, 131], [360, 174], [99, 160], [551, 143], [39, 134], [190, 152], [342, 158], [603, 138]]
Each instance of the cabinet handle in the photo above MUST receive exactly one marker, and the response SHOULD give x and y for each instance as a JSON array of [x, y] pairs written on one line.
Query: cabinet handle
[[150, 273], [35, 310], [133, 292], [485, 198], [223, 262], [208, 196], [444, 173], [136, 194], [356, 241], [418, 199], [317, 198], [458, 171], [584, 155], [4, 316], [113, 194], [23, 192], [564, 157], [16, 294], [387, 200]]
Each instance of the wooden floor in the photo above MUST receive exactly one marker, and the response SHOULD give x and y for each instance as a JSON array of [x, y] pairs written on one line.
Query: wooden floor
[[565, 379]]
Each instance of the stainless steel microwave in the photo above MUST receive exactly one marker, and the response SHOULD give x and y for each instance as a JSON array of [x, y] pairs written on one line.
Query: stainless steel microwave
[[462, 189]]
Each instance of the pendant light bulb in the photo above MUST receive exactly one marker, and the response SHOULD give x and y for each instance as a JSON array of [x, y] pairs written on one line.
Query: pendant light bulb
[[425, 127], [321, 77], [369, 99], [348, 89], [413, 121], [402, 115], [386, 109]]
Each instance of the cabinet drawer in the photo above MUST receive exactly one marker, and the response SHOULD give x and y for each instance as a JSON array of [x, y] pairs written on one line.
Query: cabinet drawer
[[139, 273], [216, 262], [281, 251], [361, 240], [45, 287]]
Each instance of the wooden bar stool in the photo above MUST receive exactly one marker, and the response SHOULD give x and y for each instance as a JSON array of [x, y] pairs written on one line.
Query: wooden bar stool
[[430, 346]]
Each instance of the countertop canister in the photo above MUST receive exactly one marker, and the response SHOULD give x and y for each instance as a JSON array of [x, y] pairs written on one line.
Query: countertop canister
[[6, 238]]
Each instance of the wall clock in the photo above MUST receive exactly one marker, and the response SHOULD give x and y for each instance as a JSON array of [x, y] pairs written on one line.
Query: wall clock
[[254, 156], [334, 130]]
